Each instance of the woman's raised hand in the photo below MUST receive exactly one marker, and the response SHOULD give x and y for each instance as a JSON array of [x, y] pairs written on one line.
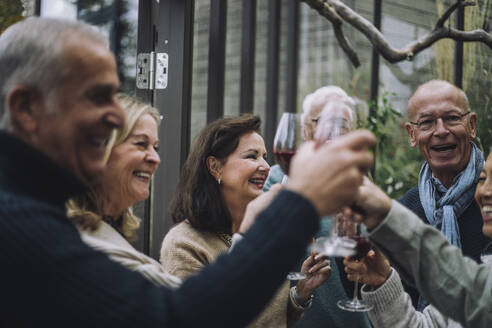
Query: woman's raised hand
[[372, 270], [318, 270]]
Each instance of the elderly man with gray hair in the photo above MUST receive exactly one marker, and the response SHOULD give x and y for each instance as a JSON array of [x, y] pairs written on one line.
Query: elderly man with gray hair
[[327, 103], [58, 83]]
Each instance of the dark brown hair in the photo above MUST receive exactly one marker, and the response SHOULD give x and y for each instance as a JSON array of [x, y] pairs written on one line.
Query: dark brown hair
[[197, 197]]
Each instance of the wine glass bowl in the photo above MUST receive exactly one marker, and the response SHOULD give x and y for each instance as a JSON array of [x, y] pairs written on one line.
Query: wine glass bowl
[[362, 247], [287, 139], [335, 120]]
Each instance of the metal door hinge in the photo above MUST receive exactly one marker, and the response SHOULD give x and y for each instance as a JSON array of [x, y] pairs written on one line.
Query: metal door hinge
[[152, 70]]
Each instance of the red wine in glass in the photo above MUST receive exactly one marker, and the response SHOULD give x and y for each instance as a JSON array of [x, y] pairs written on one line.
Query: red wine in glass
[[287, 139], [362, 248], [283, 159]]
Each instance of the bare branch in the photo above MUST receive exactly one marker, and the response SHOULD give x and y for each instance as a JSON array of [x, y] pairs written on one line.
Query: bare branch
[[329, 13], [346, 46], [450, 10], [337, 13]]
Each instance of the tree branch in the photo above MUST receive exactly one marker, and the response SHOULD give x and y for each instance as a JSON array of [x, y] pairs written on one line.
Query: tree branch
[[329, 13], [450, 10], [337, 13]]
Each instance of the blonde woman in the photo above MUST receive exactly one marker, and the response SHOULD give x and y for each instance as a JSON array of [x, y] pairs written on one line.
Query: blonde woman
[[104, 215]]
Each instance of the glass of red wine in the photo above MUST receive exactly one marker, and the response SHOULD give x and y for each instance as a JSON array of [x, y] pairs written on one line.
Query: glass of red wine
[[287, 139], [353, 230]]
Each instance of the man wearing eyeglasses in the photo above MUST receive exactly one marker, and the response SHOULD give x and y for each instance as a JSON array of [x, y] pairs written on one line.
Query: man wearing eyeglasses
[[442, 127]]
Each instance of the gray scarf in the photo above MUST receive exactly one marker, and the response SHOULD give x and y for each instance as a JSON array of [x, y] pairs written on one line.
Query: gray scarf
[[444, 210]]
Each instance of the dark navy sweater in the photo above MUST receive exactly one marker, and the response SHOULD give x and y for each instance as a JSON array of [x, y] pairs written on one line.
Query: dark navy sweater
[[50, 278], [470, 224]]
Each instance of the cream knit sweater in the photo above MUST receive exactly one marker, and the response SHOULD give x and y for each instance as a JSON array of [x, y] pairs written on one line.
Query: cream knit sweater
[[106, 239], [186, 250]]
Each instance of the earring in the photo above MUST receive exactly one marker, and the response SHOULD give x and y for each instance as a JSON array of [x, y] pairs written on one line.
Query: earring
[[218, 180]]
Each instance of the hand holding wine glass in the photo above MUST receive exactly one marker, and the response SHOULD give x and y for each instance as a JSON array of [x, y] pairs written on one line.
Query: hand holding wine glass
[[373, 202], [373, 269], [317, 269]]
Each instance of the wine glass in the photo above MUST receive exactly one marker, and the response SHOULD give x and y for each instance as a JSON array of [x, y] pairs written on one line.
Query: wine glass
[[287, 139], [335, 120], [486, 255], [354, 231]]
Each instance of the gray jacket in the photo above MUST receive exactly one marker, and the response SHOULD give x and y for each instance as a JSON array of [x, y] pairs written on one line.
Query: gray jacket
[[392, 308], [456, 285]]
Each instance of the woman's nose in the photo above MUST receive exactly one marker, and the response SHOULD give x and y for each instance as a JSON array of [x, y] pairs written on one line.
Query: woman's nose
[[153, 157], [264, 165]]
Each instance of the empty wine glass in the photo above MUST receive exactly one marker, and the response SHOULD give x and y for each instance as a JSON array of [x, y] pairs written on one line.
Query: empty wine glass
[[287, 139], [335, 120], [356, 232]]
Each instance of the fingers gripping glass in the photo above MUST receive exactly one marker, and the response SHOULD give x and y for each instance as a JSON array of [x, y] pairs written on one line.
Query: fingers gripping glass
[[429, 123], [287, 139]]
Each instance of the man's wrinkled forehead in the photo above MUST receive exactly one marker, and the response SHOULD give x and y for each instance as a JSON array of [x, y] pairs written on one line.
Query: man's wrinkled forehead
[[433, 94]]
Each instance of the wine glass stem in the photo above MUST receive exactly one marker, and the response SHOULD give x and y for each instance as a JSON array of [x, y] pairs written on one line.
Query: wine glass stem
[[355, 298]]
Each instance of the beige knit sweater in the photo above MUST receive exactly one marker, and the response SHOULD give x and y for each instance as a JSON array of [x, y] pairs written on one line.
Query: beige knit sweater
[[186, 250], [106, 239]]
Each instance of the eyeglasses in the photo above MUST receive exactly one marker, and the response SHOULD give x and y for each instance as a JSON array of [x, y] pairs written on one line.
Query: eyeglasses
[[429, 123]]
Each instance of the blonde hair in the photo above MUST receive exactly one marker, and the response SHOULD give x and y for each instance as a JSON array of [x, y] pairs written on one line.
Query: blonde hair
[[84, 210]]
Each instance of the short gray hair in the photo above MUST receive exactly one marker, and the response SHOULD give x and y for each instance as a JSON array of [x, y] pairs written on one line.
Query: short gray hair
[[326, 94], [30, 54]]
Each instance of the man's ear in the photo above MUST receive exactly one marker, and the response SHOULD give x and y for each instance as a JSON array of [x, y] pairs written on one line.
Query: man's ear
[[411, 134], [214, 167], [473, 125], [22, 102]]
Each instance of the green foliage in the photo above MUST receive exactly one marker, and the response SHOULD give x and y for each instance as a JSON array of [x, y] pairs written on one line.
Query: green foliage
[[397, 164], [10, 13]]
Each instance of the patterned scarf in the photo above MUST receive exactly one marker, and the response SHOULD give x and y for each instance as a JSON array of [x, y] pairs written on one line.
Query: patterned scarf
[[443, 206], [444, 210]]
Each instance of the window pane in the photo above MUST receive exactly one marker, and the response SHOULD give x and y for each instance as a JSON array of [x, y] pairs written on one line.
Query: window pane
[[117, 20]]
